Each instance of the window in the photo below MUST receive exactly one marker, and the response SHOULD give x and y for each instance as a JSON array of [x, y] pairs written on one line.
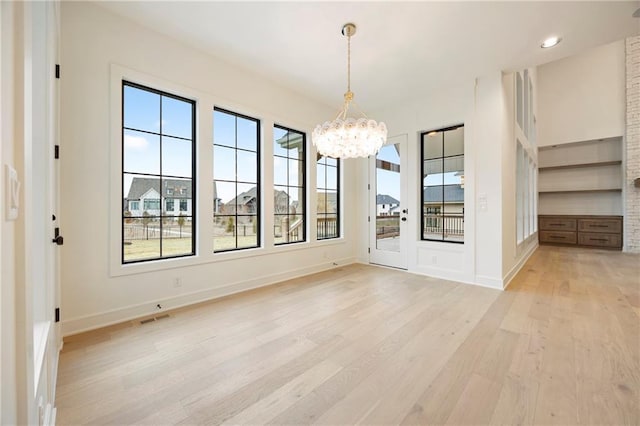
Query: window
[[168, 205], [289, 179], [236, 185], [158, 141], [134, 205], [328, 190], [526, 194], [183, 205], [443, 185]]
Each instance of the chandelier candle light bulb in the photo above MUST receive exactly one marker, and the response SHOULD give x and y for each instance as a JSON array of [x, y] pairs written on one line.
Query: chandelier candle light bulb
[[348, 137]]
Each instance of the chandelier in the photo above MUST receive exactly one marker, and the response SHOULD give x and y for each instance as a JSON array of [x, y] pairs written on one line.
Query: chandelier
[[348, 137]]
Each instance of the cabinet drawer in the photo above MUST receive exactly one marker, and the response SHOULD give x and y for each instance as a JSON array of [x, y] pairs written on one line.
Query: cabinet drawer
[[600, 239], [557, 224], [612, 226], [562, 237]]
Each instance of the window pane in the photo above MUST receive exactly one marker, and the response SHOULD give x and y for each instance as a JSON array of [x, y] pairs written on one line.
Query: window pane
[[141, 109], [327, 226], [280, 142], [141, 152], [280, 200], [247, 199], [176, 118], [296, 200], [332, 178], [176, 157], [432, 145], [224, 233], [141, 238], [296, 171], [247, 134], [247, 166], [176, 236], [224, 163], [321, 179], [454, 142], [247, 231], [280, 171], [224, 129], [227, 196]]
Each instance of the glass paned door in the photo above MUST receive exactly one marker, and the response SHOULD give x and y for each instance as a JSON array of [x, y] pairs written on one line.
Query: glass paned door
[[388, 207]]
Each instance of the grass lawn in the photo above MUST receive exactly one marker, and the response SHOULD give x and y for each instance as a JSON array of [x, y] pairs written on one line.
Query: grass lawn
[[148, 249]]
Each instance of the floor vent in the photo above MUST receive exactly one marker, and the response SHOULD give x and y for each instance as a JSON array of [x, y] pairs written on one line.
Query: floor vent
[[152, 319]]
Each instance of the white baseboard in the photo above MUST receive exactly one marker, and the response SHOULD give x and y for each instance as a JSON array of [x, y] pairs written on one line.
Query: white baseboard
[[90, 322], [516, 268]]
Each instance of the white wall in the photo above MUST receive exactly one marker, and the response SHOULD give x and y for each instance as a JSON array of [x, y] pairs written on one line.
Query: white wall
[[582, 97], [94, 291]]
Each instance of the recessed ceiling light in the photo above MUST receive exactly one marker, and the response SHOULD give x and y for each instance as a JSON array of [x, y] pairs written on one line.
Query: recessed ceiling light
[[550, 42]]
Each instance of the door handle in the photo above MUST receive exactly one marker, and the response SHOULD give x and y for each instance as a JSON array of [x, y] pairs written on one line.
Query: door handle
[[58, 240], [405, 211]]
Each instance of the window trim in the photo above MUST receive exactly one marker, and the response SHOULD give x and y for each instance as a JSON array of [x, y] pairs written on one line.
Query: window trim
[[124, 82], [258, 152], [305, 213], [422, 160]]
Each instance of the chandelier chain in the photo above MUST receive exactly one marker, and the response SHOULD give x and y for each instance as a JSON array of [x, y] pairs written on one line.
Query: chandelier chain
[[349, 63]]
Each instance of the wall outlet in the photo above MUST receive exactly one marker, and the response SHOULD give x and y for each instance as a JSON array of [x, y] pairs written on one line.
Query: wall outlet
[[177, 282]]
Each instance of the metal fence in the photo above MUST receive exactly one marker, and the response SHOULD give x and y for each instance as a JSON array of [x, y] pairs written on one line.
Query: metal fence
[[448, 224]]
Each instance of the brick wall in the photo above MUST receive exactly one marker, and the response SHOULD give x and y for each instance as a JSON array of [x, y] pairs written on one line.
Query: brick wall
[[632, 207]]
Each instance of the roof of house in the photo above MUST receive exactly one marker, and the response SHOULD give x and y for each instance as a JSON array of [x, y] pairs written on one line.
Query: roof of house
[[386, 199], [247, 196], [452, 193], [171, 187]]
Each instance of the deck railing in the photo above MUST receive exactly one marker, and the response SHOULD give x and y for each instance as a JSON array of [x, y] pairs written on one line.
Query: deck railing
[[447, 224]]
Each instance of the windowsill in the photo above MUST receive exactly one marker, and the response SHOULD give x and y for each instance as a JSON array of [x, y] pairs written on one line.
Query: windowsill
[[40, 337], [198, 259]]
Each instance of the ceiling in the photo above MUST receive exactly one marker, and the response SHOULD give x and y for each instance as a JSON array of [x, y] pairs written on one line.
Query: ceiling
[[401, 51]]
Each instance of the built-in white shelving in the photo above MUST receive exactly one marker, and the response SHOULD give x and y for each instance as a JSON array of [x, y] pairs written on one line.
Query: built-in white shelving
[[583, 178]]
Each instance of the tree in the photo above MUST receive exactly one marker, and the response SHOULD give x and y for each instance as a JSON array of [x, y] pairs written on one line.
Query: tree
[[181, 221], [146, 218], [230, 225]]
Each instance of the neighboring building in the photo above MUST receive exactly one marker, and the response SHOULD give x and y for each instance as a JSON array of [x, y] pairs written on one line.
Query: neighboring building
[[453, 199], [246, 203], [144, 196], [386, 205]]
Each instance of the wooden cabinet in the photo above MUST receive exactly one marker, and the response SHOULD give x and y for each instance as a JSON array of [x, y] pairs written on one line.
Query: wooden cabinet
[[590, 231]]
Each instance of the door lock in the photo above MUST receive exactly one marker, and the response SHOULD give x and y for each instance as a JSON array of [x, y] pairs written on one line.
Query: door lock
[[404, 219]]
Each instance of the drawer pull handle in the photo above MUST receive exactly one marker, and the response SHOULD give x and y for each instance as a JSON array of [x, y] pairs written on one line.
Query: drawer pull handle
[[598, 239], [598, 226], [557, 224], [556, 237]]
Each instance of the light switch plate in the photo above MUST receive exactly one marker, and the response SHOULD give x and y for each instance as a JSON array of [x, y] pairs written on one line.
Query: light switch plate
[[12, 193]]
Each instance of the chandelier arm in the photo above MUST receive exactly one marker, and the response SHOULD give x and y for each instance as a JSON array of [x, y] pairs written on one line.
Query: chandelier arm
[[359, 109]]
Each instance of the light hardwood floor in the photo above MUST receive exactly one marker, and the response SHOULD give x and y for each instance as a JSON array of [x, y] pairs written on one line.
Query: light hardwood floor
[[368, 345]]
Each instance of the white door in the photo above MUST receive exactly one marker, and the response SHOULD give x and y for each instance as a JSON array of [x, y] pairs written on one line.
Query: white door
[[388, 204]]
